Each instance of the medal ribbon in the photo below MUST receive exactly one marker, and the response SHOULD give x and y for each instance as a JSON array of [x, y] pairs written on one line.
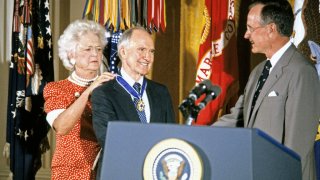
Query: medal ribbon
[[130, 89], [137, 100]]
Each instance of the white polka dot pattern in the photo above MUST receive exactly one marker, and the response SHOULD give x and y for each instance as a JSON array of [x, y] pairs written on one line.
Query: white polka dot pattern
[[73, 157]]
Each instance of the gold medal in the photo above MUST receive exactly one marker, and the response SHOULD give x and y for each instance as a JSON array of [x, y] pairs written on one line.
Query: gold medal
[[140, 105]]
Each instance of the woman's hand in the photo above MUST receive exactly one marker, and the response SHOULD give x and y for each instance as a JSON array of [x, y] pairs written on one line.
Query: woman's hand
[[73, 112], [104, 77]]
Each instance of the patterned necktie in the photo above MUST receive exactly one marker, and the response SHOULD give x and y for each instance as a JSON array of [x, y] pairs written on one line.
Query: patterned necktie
[[262, 80], [139, 104]]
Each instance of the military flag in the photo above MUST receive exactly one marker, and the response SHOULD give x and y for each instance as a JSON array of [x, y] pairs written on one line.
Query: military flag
[[217, 59], [31, 67], [118, 16], [299, 31]]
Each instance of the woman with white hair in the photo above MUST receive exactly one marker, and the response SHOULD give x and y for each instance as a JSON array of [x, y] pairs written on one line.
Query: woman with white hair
[[67, 102]]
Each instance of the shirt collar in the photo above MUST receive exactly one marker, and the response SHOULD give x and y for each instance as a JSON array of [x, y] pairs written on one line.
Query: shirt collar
[[128, 79], [275, 58]]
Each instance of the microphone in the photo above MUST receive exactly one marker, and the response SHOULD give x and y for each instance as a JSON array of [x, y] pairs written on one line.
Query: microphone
[[197, 91], [213, 93], [188, 107], [200, 88]]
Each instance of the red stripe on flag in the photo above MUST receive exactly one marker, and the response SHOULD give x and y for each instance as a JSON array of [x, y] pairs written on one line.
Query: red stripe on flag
[[30, 65]]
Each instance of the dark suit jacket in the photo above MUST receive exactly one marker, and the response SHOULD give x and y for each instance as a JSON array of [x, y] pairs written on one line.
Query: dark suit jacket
[[292, 115], [110, 102]]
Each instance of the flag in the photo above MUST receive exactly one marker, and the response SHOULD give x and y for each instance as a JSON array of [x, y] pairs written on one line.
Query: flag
[[31, 67], [119, 15], [217, 59], [113, 58], [298, 27]]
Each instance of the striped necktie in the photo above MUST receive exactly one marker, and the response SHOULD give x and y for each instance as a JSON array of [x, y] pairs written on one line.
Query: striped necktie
[[139, 104]]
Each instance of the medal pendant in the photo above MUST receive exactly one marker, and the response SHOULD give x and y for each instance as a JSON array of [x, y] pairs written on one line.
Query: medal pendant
[[140, 105]]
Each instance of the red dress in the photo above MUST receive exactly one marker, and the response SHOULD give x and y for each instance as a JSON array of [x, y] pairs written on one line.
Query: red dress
[[74, 155]]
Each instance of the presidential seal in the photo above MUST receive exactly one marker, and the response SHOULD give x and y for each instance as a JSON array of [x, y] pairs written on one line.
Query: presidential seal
[[172, 159]]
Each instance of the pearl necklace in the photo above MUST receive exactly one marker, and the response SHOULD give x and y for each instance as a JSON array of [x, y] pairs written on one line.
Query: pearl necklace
[[81, 81]]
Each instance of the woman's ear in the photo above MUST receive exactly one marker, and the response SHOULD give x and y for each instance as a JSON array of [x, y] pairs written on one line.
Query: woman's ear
[[71, 55]]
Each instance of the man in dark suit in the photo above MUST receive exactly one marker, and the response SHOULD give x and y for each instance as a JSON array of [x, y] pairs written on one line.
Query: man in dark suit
[[120, 100], [287, 105]]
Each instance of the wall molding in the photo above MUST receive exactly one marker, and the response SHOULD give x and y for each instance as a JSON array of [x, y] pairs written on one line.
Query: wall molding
[[4, 173]]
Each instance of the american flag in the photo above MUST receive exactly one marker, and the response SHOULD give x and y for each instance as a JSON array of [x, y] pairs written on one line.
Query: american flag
[[30, 64], [30, 69]]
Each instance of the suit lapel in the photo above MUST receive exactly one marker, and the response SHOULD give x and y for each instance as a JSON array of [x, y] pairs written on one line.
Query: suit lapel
[[125, 100], [153, 100], [252, 84], [272, 79]]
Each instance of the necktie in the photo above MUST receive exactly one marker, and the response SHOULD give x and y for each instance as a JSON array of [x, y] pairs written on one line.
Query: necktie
[[139, 104], [262, 79]]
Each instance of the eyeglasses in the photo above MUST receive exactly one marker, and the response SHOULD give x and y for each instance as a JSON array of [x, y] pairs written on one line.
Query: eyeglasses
[[252, 29], [90, 49]]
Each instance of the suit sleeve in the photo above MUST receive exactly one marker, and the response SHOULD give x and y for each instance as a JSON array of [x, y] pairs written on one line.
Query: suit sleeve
[[235, 118], [102, 112], [302, 113], [170, 115]]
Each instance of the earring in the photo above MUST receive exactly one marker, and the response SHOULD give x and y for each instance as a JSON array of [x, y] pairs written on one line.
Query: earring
[[72, 61]]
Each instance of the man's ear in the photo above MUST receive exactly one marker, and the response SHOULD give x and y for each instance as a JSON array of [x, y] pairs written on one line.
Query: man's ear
[[272, 27], [122, 52]]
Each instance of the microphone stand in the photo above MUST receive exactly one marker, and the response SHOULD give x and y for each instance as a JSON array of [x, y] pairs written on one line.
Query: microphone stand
[[188, 107], [194, 111], [189, 111]]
